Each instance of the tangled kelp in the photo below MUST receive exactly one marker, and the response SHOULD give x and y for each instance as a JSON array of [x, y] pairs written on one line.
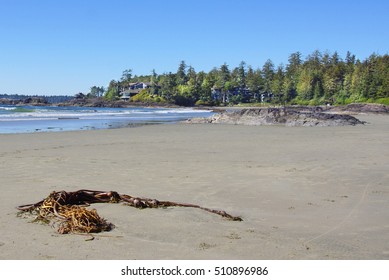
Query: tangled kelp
[[68, 210]]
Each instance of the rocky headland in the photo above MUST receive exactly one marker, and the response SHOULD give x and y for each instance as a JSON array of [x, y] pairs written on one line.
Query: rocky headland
[[81, 102]]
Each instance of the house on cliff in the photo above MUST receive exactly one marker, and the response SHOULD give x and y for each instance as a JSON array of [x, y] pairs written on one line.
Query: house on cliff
[[133, 89]]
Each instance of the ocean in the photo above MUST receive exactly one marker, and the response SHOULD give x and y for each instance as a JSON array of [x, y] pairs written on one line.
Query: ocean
[[33, 119]]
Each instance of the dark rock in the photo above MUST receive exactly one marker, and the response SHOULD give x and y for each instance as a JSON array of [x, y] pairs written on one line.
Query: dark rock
[[287, 116]]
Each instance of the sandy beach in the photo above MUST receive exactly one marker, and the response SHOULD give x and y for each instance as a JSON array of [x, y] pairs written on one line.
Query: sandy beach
[[303, 192]]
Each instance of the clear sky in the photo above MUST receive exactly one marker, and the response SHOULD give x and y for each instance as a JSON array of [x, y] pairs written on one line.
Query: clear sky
[[63, 47]]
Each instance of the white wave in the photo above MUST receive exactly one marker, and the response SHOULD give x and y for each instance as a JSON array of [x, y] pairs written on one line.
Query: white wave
[[7, 108], [101, 113]]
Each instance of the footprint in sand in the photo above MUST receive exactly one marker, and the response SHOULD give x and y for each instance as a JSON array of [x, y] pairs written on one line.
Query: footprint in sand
[[233, 236], [204, 246]]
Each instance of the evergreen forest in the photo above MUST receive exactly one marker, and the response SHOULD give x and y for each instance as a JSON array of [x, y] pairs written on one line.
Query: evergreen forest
[[318, 79]]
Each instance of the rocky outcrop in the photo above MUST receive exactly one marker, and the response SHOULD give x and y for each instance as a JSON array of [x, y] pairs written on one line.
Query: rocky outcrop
[[93, 102], [288, 116]]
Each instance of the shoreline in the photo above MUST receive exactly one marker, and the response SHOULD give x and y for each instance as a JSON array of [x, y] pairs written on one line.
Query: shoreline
[[303, 193], [100, 102], [284, 115]]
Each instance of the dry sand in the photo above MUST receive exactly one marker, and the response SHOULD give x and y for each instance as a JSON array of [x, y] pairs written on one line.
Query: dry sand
[[303, 192]]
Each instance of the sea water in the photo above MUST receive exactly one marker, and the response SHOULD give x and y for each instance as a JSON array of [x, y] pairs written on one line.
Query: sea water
[[28, 119]]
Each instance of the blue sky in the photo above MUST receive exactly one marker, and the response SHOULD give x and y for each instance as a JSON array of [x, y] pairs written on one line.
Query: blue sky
[[65, 47]]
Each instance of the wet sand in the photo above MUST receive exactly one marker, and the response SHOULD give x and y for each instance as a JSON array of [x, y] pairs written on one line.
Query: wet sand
[[303, 192]]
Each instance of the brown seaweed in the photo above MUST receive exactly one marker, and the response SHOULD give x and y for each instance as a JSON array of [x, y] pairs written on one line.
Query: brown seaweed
[[68, 210]]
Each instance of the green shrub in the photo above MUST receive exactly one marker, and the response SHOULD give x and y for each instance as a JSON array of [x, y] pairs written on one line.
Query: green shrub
[[384, 101], [146, 97]]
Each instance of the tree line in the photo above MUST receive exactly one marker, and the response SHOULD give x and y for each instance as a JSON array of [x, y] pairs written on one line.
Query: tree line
[[320, 78]]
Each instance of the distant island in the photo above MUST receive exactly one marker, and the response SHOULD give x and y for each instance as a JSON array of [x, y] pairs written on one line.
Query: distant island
[[319, 79], [17, 99]]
